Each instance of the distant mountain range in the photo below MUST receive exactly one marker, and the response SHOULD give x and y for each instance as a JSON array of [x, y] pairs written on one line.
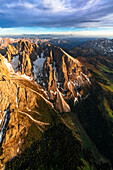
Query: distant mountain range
[[102, 46], [63, 41]]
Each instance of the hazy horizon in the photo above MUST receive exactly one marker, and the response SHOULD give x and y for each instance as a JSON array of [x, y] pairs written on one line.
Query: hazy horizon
[[56, 34]]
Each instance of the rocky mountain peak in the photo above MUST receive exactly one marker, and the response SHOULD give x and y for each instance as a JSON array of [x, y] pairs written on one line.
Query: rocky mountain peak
[[53, 70], [11, 51], [28, 73], [38, 86]]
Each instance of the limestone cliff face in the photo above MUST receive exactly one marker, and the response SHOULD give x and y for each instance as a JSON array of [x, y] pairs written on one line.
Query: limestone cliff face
[[36, 48], [63, 76], [46, 74], [25, 64], [24, 46], [49, 75], [14, 98], [11, 51], [53, 69], [61, 104], [62, 73], [3, 68]]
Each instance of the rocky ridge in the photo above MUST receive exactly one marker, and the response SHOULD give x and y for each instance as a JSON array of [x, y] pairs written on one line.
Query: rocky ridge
[[101, 46], [37, 84], [17, 102], [53, 69], [29, 73]]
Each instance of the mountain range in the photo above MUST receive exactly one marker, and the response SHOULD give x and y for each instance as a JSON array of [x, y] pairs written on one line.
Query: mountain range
[[56, 105]]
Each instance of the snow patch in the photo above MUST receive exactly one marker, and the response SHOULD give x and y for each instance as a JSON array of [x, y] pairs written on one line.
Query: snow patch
[[6, 115], [27, 77], [42, 54], [86, 77], [28, 110], [75, 100], [38, 66], [9, 66], [111, 50], [18, 150], [17, 96], [56, 74], [15, 63]]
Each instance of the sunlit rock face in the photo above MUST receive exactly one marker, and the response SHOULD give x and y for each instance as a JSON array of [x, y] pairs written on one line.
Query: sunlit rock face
[[60, 76], [28, 74], [52, 69], [14, 97]]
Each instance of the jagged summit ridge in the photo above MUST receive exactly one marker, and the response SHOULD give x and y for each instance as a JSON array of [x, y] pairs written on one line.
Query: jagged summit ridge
[[37, 84], [52, 69], [58, 77]]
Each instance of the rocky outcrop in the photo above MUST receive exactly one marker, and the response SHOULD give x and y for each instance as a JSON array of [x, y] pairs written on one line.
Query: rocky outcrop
[[24, 46], [63, 72], [36, 48], [11, 51], [25, 64], [56, 77], [14, 97], [49, 75], [61, 104], [52, 68]]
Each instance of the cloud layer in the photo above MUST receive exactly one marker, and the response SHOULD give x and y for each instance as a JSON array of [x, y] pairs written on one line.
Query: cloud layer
[[56, 13]]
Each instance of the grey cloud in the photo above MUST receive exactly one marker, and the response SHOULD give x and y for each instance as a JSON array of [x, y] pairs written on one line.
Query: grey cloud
[[79, 13]]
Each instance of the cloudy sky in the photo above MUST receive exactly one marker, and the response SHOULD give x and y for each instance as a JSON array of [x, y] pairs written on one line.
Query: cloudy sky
[[80, 17]]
